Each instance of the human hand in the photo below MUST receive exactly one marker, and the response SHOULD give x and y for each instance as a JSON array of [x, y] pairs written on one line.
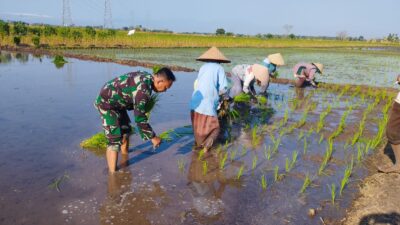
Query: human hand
[[156, 142], [398, 79]]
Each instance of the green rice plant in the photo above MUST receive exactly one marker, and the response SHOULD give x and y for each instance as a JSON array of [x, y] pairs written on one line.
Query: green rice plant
[[263, 182], [201, 154], [301, 135], [223, 161], [359, 153], [233, 155], [307, 182], [295, 103], [240, 172], [333, 192], [166, 135], [276, 145], [322, 117], [267, 153], [261, 100], [309, 132], [233, 114], [55, 184], [345, 180], [287, 165], [244, 151], [321, 138], [97, 141], [255, 140], [219, 149], [294, 159], [151, 104], [276, 173], [254, 164], [242, 97], [181, 164], [305, 146], [303, 119], [205, 167], [286, 116]]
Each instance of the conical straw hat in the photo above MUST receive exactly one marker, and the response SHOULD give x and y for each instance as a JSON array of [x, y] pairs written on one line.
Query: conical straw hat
[[261, 73], [276, 59], [319, 66], [213, 54]]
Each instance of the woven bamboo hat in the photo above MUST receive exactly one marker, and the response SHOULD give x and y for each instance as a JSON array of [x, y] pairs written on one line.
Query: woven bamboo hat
[[261, 73], [213, 54], [319, 66], [276, 59]]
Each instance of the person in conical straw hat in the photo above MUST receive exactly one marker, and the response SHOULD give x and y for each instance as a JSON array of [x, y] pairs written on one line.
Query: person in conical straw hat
[[211, 82], [304, 73], [272, 62]]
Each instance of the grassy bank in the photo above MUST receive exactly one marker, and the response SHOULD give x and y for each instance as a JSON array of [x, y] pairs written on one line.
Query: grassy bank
[[56, 37]]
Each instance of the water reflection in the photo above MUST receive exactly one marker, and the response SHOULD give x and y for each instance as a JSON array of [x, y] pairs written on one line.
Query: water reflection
[[129, 202], [208, 185]]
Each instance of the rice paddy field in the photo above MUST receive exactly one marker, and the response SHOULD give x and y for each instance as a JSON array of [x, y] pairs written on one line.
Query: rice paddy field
[[296, 157], [368, 66]]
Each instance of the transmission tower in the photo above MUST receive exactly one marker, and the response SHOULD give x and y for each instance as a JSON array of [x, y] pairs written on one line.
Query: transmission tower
[[66, 19], [107, 14]]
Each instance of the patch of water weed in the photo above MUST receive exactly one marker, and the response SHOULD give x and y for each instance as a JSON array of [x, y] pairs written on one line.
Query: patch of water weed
[[55, 184], [59, 61]]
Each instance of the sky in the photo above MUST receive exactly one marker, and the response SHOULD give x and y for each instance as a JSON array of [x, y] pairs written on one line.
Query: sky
[[369, 18]]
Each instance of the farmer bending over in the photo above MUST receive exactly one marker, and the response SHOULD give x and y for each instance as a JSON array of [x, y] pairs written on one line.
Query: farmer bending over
[[393, 134], [210, 84], [131, 91], [244, 76], [305, 73]]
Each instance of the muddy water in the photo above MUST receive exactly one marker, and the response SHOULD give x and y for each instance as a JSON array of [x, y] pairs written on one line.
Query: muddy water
[[46, 111]]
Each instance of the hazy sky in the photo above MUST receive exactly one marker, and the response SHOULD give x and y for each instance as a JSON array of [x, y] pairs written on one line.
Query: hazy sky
[[370, 18]]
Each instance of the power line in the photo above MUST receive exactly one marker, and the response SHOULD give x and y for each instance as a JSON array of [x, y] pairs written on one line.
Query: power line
[[66, 14], [107, 14]]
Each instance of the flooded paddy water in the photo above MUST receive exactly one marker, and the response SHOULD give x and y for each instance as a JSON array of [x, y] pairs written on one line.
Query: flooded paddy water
[[255, 176]]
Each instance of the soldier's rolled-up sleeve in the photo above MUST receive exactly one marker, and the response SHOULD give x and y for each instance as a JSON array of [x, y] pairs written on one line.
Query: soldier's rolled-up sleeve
[[141, 98]]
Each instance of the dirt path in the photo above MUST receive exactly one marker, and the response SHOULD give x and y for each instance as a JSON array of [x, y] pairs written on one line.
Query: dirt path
[[379, 200]]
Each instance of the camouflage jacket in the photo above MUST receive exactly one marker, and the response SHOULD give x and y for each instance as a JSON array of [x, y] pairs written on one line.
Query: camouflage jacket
[[130, 91]]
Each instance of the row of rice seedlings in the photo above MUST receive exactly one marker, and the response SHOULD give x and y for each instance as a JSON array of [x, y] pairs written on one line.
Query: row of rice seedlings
[[377, 140], [263, 182], [290, 163], [254, 163], [341, 125], [223, 161], [240, 172], [361, 126], [344, 90], [322, 117], [307, 182], [327, 157], [345, 180]]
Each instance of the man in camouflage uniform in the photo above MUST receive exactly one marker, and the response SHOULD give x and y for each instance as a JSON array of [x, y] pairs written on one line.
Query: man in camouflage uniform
[[130, 91]]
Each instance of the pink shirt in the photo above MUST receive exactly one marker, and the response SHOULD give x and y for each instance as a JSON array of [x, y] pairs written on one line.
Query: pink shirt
[[306, 69]]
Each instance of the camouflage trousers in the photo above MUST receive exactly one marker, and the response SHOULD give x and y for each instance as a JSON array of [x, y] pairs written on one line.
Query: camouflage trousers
[[115, 124]]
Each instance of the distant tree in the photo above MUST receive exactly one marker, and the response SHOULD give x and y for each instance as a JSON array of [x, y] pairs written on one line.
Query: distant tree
[[268, 36], [36, 41], [4, 28], [361, 38], [220, 31], [17, 40], [35, 31], [125, 28], [392, 37], [111, 32], [76, 35], [230, 34], [90, 31], [20, 28], [259, 36], [49, 30], [342, 35], [292, 36]]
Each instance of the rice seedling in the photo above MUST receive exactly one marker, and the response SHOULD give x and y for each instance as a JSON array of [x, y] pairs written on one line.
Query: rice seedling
[[244, 152], [240, 172], [305, 146], [287, 165], [322, 117], [205, 167], [332, 189], [321, 138], [254, 164], [309, 132], [233, 155], [346, 176], [166, 135], [57, 182], [359, 153], [242, 97], [294, 158], [301, 135], [276, 145], [223, 161], [261, 100], [181, 164], [201, 154], [276, 173], [267, 153], [285, 116], [263, 182], [255, 140], [306, 183], [151, 104]]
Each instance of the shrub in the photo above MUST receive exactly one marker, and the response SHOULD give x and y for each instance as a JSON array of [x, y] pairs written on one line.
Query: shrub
[[36, 41], [20, 28], [64, 31], [49, 30], [35, 31], [4, 28], [76, 35], [90, 31], [17, 40]]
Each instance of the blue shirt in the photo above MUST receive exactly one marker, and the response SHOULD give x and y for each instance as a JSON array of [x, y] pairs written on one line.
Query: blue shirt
[[211, 82], [271, 67]]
